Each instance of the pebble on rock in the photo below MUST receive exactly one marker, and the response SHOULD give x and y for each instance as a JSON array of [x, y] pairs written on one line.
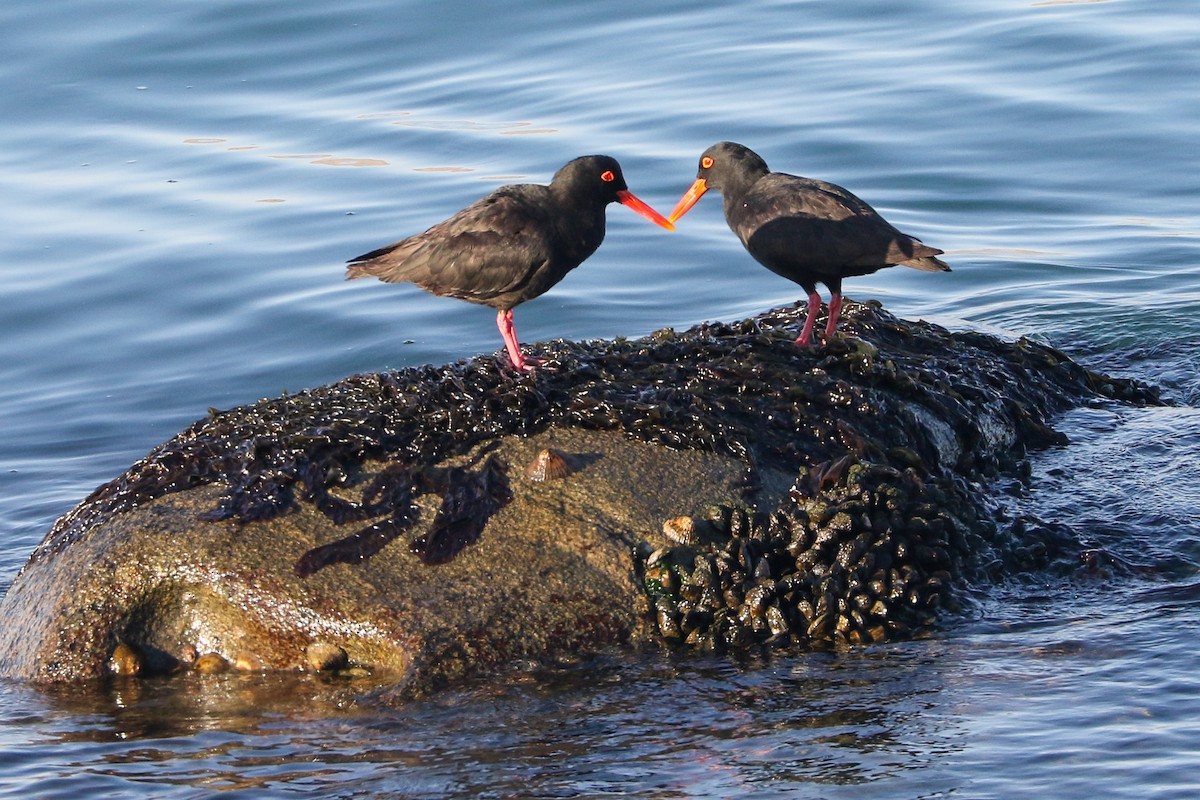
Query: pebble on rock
[[125, 660], [326, 657]]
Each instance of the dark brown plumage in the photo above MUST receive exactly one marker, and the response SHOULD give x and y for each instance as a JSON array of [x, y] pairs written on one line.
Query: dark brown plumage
[[806, 230], [512, 245]]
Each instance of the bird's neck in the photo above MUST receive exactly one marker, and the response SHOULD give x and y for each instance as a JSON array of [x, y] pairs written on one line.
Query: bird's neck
[[581, 209], [734, 188]]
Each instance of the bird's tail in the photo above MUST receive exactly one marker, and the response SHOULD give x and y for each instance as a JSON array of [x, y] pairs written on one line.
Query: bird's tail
[[358, 270], [386, 263]]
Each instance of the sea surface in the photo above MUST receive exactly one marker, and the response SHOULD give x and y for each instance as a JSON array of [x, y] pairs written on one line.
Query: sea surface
[[182, 183]]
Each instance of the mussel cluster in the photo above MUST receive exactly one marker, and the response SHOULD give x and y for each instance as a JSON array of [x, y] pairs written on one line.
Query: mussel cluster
[[874, 557]]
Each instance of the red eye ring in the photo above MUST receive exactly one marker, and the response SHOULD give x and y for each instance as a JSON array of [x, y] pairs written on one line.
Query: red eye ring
[[607, 176], [706, 162]]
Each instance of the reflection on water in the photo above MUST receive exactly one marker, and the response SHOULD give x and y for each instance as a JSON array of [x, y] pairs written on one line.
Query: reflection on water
[[350, 162], [953, 717], [312, 158], [503, 128], [603, 726]]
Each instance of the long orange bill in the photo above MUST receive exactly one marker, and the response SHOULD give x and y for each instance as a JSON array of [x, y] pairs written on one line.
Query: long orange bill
[[626, 198], [689, 199]]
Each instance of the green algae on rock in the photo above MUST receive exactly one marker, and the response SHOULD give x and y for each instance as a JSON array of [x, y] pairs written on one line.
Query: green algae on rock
[[839, 492]]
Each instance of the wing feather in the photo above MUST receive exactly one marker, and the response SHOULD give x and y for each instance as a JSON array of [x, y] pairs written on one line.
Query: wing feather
[[490, 248]]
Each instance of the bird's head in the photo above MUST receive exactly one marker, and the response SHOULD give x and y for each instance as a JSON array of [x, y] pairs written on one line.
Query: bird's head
[[722, 167]]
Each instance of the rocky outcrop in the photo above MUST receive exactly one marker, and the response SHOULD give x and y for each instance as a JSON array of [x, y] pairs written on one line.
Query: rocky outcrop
[[718, 488]]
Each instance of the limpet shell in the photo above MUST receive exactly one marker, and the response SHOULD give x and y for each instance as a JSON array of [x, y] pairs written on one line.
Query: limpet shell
[[246, 661], [681, 530], [211, 664], [549, 465]]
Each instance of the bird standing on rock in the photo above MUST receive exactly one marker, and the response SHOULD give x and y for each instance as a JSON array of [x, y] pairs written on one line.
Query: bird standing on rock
[[512, 245], [803, 229]]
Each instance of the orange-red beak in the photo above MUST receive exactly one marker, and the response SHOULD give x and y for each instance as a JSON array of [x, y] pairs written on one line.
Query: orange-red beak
[[626, 198], [689, 199]]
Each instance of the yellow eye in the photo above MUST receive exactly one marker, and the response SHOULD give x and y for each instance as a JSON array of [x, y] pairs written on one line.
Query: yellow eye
[[706, 162], [607, 176]]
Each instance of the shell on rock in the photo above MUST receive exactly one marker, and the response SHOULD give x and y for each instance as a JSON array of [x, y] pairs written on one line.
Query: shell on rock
[[549, 465], [681, 530], [211, 664], [246, 661]]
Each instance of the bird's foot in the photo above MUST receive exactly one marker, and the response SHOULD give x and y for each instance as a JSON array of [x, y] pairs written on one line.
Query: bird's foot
[[533, 364], [836, 344], [528, 364]]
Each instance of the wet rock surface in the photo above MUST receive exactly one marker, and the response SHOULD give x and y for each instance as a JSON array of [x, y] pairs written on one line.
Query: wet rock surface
[[717, 488]]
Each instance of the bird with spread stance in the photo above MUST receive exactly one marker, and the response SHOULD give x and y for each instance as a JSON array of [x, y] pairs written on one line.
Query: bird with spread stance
[[803, 229], [512, 245]]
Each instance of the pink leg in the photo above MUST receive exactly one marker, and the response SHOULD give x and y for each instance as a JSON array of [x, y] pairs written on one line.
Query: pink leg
[[504, 321], [814, 305], [835, 310]]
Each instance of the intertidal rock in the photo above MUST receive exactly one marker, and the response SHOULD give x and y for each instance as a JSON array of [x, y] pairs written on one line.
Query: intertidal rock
[[723, 489]]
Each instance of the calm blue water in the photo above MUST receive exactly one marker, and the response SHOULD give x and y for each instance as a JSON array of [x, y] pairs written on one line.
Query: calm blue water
[[182, 182]]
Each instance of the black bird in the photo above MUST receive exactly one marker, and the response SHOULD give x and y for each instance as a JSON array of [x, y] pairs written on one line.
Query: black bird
[[512, 245], [806, 230]]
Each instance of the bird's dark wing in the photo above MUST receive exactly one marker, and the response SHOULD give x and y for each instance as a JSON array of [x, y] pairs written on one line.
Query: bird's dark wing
[[814, 225], [491, 248]]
